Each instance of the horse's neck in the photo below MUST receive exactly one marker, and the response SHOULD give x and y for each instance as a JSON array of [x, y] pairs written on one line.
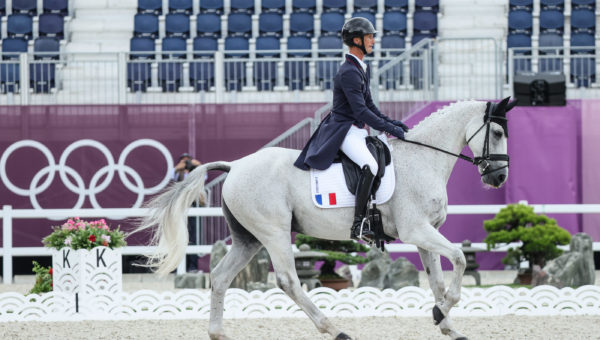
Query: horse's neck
[[445, 129]]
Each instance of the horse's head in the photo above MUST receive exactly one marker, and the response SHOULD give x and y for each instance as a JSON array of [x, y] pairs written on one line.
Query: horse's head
[[487, 141]]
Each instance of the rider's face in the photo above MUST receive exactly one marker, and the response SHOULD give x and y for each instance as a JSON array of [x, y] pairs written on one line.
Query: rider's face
[[369, 42]]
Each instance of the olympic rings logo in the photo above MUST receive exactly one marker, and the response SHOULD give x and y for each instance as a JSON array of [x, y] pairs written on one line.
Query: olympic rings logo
[[79, 186]]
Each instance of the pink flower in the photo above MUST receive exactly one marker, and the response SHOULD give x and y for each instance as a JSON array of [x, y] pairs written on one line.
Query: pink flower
[[68, 240], [106, 238]]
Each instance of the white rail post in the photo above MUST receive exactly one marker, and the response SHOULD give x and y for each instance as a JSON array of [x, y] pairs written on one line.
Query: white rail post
[[7, 263]]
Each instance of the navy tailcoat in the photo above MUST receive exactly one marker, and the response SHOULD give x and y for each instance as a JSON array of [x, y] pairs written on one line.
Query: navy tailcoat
[[352, 105]]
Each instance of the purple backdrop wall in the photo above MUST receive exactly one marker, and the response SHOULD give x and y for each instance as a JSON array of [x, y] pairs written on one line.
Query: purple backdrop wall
[[553, 154]]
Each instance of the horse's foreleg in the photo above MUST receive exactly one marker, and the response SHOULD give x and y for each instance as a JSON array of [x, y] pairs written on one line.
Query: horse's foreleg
[[221, 276], [287, 279], [429, 241]]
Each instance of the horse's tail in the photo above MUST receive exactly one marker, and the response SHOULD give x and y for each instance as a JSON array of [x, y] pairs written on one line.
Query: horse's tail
[[168, 212]]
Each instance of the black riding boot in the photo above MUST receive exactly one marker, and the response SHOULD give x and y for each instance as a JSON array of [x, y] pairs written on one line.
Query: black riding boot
[[363, 192]]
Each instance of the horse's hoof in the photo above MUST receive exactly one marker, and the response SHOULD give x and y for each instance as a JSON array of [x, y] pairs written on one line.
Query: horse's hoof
[[438, 316], [343, 336]]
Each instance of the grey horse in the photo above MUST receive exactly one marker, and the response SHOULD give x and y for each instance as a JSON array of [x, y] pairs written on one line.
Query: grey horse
[[265, 198]]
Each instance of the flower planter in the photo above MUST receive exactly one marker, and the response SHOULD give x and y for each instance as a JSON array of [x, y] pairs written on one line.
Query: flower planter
[[335, 284], [97, 271]]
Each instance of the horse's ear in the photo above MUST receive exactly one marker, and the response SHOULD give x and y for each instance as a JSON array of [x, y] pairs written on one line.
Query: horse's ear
[[511, 105], [502, 105]]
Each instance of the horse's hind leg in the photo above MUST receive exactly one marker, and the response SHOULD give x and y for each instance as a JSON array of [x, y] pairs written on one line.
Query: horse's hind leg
[[287, 279], [243, 249]]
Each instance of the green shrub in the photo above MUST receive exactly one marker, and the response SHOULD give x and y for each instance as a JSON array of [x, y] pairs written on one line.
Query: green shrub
[[43, 279], [335, 250]]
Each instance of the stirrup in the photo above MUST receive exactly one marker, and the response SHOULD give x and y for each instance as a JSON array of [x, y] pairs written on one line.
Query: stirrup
[[363, 234]]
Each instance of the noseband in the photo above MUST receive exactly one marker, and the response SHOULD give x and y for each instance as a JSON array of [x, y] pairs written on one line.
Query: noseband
[[485, 155]]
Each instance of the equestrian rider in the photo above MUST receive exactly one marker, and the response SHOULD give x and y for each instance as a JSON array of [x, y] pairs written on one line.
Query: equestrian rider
[[344, 128]]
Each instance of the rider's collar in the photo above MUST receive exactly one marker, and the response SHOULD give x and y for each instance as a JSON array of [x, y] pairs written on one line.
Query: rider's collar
[[360, 62]]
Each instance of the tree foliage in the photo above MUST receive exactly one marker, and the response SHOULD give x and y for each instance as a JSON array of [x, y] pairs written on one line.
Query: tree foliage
[[539, 234], [335, 250]]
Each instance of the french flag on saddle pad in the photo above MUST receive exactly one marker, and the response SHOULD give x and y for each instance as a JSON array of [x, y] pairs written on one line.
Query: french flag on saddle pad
[[330, 199]]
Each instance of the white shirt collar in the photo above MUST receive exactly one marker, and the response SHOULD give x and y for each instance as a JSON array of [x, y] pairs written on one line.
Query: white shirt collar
[[362, 63]]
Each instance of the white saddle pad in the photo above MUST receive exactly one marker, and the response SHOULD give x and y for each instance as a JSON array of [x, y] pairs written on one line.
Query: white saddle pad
[[329, 190]]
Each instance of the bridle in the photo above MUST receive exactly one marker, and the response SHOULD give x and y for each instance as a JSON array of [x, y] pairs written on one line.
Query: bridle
[[485, 157]]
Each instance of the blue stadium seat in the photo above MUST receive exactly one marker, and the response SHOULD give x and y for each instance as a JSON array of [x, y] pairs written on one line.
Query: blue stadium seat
[[211, 6], [265, 72], [520, 22], [177, 25], [42, 72], [365, 6], [180, 6], [296, 72], [150, 7], [144, 47], [275, 6], [170, 73], [19, 26], [549, 40], [522, 46], [328, 46], [235, 71], [425, 23], [202, 73], [367, 15], [521, 5], [60, 7], [138, 70], [583, 71], [51, 25], [583, 40], [145, 25], [393, 42], [427, 5], [551, 21], [302, 24], [309, 6], [242, 6], [2, 8], [239, 25], [395, 6], [583, 21], [208, 44], [331, 24], [338, 6], [394, 23], [583, 4], [10, 72], [28, 7], [10, 45], [270, 24], [208, 25], [174, 48], [420, 36], [46, 48], [556, 5]]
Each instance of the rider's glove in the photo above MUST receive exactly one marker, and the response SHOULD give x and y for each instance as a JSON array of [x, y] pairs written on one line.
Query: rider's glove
[[400, 124], [397, 132]]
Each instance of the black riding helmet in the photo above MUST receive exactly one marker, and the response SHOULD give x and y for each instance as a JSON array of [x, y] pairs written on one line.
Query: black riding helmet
[[357, 27]]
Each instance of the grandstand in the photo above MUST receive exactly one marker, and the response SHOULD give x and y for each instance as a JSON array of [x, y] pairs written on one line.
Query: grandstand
[[124, 52]]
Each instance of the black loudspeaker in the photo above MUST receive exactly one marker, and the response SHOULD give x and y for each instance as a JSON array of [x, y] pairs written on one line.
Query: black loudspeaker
[[540, 89]]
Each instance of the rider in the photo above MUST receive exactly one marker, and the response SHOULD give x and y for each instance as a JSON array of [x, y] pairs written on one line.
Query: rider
[[344, 127]]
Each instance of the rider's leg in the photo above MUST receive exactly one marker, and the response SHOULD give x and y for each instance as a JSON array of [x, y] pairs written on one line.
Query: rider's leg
[[355, 147]]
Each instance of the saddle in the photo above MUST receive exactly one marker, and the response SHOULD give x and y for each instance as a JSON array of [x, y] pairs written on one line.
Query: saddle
[[381, 153], [352, 170]]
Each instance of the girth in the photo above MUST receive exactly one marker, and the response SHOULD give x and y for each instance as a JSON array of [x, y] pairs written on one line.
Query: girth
[[352, 171]]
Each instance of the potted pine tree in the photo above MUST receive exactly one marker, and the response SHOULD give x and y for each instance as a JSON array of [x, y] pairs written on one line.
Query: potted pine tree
[[343, 251], [539, 234]]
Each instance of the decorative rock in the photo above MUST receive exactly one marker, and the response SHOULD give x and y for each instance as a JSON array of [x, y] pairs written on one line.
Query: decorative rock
[[190, 280], [344, 271], [253, 277], [402, 273], [574, 268]]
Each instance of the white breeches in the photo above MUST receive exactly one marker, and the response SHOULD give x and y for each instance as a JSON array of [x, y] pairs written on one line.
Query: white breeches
[[355, 147]]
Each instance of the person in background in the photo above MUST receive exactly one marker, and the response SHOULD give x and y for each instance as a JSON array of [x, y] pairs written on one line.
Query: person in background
[[186, 164]]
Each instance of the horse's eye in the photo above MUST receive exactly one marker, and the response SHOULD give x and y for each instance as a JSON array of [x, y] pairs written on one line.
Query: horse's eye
[[498, 134]]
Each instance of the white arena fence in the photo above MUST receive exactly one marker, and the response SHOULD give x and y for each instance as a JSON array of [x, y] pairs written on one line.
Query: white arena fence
[[8, 251], [274, 303]]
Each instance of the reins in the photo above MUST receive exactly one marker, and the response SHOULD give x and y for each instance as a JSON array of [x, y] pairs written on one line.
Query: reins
[[485, 156]]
